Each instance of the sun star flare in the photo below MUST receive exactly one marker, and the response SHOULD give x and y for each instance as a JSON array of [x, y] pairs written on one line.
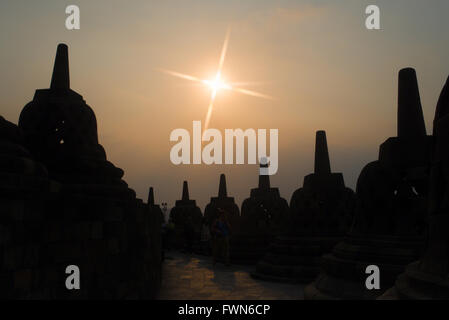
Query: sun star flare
[[216, 84]]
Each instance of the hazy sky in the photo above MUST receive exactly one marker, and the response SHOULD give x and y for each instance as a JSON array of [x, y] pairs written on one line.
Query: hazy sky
[[326, 70]]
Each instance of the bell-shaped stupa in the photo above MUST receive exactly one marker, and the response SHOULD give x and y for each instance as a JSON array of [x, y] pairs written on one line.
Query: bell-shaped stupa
[[389, 222], [154, 208], [187, 219], [223, 202], [261, 218], [82, 214], [60, 130], [320, 215], [428, 278]]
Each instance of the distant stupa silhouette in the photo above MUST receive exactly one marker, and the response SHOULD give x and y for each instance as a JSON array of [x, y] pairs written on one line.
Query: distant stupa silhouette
[[151, 197], [222, 201], [187, 218], [222, 189], [185, 191], [388, 224], [185, 199], [261, 218], [322, 162], [154, 208], [320, 215], [321, 179]]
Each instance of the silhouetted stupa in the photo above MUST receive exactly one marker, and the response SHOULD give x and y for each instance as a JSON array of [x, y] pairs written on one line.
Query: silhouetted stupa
[[428, 278], [261, 219], [155, 208], [320, 215], [390, 211], [60, 130], [24, 189], [222, 201], [18, 169], [84, 216], [187, 218]]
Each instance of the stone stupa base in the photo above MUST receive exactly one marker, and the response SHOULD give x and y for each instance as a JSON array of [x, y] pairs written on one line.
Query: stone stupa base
[[344, 270], [294, 259], [418, 285], [248, 249]]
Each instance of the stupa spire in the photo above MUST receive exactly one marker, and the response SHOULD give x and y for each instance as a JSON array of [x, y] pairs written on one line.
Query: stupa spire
[[61, 77], [410, 114], [185, 191], [151, 197], [222, 190], [322, 162], [264, 180]]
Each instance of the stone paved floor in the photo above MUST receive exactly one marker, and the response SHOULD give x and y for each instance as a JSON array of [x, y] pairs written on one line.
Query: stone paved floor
[[190, 277]]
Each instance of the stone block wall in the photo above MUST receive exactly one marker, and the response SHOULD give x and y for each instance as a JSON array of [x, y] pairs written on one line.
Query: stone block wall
[[116, 246]]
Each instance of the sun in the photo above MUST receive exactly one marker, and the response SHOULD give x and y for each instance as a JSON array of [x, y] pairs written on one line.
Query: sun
[[216, 84]]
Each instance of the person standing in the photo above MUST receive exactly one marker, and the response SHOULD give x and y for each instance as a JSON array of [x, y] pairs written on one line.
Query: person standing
[[205, 237], [221, 230], [189, 234]]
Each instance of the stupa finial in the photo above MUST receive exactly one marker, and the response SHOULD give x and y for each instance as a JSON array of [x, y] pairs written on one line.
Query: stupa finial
[[410, 114], [264, 179], [222, 190], [322, 162], [61, 77], [185, 191], [151, 197]]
